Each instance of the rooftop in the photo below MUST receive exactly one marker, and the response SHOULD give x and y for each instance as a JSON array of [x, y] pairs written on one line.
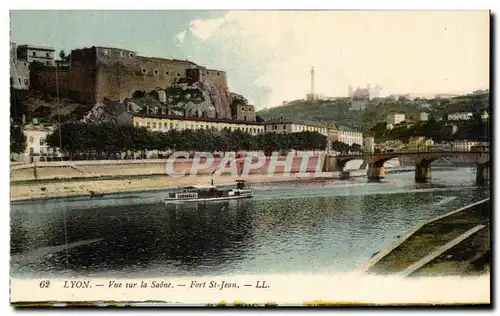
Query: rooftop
[[195, 119], [39, 47]]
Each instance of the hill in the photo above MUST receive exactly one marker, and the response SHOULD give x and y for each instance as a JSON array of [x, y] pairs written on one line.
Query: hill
[[342, 113]]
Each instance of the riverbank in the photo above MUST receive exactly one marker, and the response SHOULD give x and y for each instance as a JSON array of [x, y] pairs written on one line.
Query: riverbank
[[42, 190], [453, 244]]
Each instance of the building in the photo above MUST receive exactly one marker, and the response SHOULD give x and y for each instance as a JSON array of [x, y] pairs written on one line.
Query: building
[[165, 123], [285, 126], [369, 93], [420, 142], [395, 118], [461, 116], [485, 116], [464, 145], [36, 147], [420, 117], [19, 70], [243, 112], [41, 54], [100, 73], [345, 136]]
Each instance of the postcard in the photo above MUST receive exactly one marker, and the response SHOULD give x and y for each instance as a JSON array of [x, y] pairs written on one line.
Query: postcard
[[250, 158]]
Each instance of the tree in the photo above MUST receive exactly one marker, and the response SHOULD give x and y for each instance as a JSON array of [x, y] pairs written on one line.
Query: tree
[[17, 140], [356, 147], [62, 55]]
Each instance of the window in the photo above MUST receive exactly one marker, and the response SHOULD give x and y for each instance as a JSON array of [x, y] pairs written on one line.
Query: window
[[218, 73], [106, 52], [19, 79], [31, 139], [284, 126], [208, 72], [47, 62], [32, 151], [144, 71], [122, 54], [167, 73], [34, 54], [137, 124], [244, 118], [178, 74], [130, 55], [149, 124], [42, 141], [155, 71], [47, 55], [26, 81], [243, 108], [171, 125], [165, 125], [154, 124]]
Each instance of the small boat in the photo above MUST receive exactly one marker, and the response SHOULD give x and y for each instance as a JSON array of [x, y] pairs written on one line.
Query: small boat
[[208, 193]]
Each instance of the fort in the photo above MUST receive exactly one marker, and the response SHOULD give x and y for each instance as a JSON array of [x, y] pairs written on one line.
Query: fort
[[99, 73]]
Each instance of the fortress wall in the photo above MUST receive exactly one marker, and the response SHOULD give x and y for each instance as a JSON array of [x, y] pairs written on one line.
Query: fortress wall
[[82, 81], [45, 80], [97, 73]]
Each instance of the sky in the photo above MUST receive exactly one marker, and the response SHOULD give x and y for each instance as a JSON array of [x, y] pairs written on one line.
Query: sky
[[268, 54]]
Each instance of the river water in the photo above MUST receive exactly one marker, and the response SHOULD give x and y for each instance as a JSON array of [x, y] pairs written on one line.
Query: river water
[[307, 227]]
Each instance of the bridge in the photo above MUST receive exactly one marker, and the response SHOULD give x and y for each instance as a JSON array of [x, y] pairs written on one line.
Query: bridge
[[423, 161]]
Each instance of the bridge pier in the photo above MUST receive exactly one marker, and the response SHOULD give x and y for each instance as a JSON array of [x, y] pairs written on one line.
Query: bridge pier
[[482, 173], [422, 172], [375, 173]]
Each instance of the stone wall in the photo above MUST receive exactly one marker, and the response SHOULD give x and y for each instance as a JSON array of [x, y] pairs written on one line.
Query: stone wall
[[46, 79]]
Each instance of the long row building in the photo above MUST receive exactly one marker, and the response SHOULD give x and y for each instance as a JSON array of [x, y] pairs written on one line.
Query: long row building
[[37, 133]]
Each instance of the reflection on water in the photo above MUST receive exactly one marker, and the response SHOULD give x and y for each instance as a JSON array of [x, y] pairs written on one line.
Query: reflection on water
[[319, 227]]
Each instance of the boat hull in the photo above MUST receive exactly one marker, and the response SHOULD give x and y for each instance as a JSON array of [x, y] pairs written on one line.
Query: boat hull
[[202, 200]]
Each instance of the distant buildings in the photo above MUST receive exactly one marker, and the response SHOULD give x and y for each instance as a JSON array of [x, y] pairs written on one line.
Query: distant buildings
[[368, 93], [419, 142], [31, 53], [344, 136], [463, 145], [283, 125], [395, 118], [461, 116], [420, 117]]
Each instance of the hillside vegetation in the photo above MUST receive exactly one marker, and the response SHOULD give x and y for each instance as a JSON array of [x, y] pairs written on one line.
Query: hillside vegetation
[[341, 113]]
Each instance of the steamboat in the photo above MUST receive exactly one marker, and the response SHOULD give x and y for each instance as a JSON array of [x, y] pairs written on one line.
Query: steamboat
[[208, 193]]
